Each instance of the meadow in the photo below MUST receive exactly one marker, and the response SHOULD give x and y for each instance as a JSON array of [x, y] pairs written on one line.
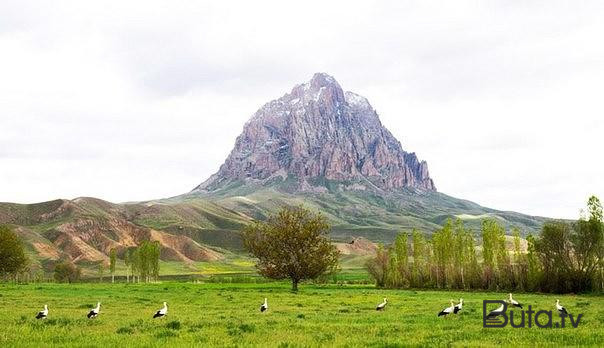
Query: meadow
[[227, 314]]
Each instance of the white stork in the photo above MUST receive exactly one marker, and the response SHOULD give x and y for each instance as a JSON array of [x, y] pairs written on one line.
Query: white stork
[[561, 309], [496, 312], [381, 306], [162, 312], [95, 311], [264, 306], [447, 310], [43, 313], [458, 306], [514, 302]]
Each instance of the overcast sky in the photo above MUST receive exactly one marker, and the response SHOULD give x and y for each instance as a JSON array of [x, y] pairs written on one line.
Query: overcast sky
[[138, 100]]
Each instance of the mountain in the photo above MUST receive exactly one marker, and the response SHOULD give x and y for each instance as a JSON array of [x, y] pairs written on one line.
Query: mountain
[[318, 132], [327, 149], [316, 146]]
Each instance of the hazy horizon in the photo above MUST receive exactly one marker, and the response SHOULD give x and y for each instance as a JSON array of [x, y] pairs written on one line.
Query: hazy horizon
[[134, 101]]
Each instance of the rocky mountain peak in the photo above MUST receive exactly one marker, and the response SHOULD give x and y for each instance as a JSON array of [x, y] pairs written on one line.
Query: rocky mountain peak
[[319, 136], [323, 80]]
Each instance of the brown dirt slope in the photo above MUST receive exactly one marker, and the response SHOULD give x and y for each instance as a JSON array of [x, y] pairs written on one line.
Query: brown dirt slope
[[86, 229]]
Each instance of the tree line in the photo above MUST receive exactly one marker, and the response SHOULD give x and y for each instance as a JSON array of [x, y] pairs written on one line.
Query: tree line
[[141, 262], [563, 257]]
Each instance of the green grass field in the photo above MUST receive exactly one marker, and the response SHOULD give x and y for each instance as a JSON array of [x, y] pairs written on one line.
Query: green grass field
[[228, 315]]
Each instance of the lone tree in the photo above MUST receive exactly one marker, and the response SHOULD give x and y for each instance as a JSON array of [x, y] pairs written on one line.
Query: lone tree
[[12, 254], [293, 244]]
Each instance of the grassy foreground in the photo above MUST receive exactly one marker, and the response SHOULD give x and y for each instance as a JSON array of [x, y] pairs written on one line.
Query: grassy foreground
[[228, 315]]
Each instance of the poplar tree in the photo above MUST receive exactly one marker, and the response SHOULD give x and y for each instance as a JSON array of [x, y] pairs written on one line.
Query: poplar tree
[[393, 277], [444, 244], [517, 251], [588, 243], [504, 272], [155, 255], [430, 266], [520, 266], [127, 264], [402, 257], [474, 268], [112, 260], [144, 261], [378, 266], [493, 244], [419, 258], [464, 253], [134, 263], [533, 266]]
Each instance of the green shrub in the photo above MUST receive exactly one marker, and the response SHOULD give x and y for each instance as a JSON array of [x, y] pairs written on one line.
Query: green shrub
[[125, 330], [173, 325]]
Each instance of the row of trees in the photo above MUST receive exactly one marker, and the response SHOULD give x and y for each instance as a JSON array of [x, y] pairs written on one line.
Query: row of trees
[[565, 257], [142, 262]]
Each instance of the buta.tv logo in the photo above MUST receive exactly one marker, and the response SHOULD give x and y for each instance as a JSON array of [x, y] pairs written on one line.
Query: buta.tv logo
[[499, 317]]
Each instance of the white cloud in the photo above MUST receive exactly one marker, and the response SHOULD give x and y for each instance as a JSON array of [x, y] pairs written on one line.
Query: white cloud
[[134, 100]]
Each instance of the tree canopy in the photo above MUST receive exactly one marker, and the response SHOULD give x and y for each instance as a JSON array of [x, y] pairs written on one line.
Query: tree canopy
[[144, 260], [292, 244], [66, 271], [571, 254], [112, 261], [12, 255]]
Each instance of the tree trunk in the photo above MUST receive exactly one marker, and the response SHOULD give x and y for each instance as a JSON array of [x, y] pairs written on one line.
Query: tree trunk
[[295, 285], [112, 278]]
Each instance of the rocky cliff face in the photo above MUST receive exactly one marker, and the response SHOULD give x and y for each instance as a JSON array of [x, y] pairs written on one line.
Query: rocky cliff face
[[319, 133]]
